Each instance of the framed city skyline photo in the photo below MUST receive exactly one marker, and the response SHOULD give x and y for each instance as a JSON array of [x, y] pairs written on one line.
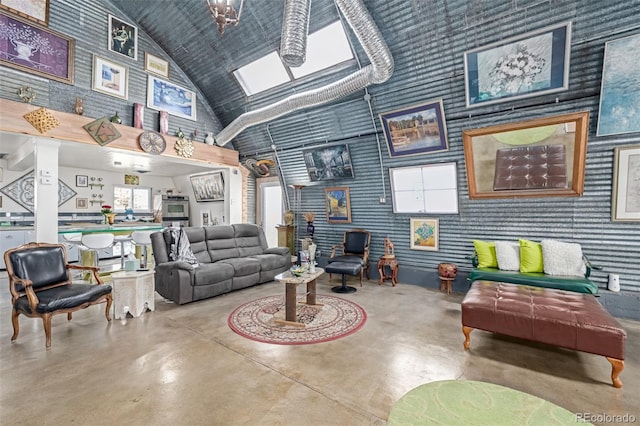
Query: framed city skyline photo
[[123, 38], [523, 66], [418, 129], [328, 162]]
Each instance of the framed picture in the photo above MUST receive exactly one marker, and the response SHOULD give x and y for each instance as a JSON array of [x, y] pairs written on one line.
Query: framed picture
[[123, 37], [424, 234], [131, 180], [35, 49], [625, 204], [415, 130], [82, 203], [536, 158], [156, 65], [620, 92], [208, 187], [531, 64], [82, 180], [110, 78], [328, 162], [205, 216], [338, 205], [34, 10], [165, 96]]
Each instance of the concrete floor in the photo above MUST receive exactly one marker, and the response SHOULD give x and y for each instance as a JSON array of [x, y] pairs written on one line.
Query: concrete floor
[[182, 365]]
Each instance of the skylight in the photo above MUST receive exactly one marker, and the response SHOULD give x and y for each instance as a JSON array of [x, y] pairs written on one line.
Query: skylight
[[325, 48]]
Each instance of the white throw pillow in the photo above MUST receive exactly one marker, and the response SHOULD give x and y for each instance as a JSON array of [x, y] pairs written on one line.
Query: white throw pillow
[[562, 258], [508, 255]]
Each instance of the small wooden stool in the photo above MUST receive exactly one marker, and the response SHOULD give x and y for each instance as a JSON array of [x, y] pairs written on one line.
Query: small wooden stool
[[447, 273]]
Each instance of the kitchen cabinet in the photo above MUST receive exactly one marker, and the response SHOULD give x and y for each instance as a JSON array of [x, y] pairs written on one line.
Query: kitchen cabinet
[[9, 240]]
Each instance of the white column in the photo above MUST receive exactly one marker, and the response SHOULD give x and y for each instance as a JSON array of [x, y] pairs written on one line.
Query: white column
[[45, 199], [234, 195]]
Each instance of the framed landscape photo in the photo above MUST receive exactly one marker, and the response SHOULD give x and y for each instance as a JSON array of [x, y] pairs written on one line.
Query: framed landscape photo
[[110, 78], [418, 129], [620, 92], [82, 181], [156, 65], [531, 64], [338, 205], [536, 158], [34, 10], [123, 38], [163, 95], [424, 234], [328, 162], [625, 198], [208, 187], [35, 49]]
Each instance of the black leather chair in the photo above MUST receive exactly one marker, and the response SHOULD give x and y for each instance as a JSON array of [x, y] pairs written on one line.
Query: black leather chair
[[354, 249], [40, 285]]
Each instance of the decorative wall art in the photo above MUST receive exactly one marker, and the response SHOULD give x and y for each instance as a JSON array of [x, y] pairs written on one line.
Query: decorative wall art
[[536, 158], [165, 96], [205, 217], [531, 64], [131, 180], [156, 65], [82, 203], [415, 130], [42, 119], [110, 78], [34, 10], [338, 203], [431, 188], [424, 234], [208, 187], [328, 162], [35, 49], [123, 38], [625, 204], [102, 131], [620, 93], [82, 180], [22, 189]]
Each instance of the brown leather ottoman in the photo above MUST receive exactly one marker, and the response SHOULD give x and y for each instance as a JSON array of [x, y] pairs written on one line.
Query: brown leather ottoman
[[563, 318]]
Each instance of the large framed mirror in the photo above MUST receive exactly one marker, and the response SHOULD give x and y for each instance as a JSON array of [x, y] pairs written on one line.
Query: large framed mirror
[[544, 157]]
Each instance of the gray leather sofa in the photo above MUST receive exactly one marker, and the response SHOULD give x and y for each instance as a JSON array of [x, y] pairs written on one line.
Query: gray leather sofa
[[230, 257]]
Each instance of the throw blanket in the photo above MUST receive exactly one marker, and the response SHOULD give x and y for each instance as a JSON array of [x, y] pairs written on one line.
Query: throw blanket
[[180, 248]]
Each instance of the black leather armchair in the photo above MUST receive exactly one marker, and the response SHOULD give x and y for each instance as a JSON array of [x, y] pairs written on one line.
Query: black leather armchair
[[40, 285], [354, 249]]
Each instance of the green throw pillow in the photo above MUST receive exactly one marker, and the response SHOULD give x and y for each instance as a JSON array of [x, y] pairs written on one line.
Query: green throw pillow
[[531, 256], [486, 251]]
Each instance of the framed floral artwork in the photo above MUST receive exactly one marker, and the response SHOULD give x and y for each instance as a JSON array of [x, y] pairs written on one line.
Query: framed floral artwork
[[418, 129], [338, 205], [35, 49], [531, 64], [625, 198], [123, 38], [424, 234]]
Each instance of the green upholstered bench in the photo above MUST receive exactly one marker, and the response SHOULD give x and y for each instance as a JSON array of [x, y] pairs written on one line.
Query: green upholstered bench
[[536, 279]]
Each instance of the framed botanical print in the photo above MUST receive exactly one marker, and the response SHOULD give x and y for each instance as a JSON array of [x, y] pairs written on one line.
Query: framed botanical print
[[424, 234], [338, 205], [625, 198], [123, 37]]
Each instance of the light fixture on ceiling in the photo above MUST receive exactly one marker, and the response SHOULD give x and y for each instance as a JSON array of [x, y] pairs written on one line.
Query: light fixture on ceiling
[[224, 13]]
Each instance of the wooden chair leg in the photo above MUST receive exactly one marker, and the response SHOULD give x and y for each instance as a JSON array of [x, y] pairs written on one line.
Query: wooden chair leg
[[69, 316], [467, 336], [617, 365], [46, 321], [107, 311], [368, 277], [16, 324], [360, 277]]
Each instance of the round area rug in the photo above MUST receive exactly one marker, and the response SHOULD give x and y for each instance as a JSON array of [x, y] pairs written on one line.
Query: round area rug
[[466, 402], [336, 318]]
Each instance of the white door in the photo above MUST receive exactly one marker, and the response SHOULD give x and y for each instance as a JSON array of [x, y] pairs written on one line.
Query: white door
[[269, 205]]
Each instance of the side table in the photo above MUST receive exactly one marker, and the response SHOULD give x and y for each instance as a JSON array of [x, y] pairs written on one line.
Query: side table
[[392, 263], [133, 292]]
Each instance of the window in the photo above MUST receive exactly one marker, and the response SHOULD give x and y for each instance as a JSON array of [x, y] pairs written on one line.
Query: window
[[325, 48], [429, 189], [136, 198]]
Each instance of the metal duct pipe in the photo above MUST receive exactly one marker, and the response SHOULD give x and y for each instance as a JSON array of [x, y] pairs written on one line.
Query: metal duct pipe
[[295, 28], [379, 71]]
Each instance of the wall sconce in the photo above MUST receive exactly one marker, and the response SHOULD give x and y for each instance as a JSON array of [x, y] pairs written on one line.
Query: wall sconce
[[224, 14]]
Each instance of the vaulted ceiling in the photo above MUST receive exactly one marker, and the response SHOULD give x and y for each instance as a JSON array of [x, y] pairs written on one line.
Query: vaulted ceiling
[[187, 32]]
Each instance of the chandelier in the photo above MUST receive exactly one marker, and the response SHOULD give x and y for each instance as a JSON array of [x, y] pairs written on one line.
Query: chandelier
[[224, 14]]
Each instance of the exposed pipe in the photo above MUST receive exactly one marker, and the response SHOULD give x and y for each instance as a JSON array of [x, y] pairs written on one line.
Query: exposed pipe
[[280, 174], [295, 28], [379, 71]]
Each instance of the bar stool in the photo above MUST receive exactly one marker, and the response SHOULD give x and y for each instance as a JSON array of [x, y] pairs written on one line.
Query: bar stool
[[142, 239], [92, 243], [122, 239], [72, 241]]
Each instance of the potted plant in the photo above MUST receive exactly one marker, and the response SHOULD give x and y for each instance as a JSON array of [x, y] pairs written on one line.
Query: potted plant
[[109, 215]]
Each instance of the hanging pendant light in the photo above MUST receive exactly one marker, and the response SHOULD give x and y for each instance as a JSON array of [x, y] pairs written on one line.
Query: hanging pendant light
[[224, 13]]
